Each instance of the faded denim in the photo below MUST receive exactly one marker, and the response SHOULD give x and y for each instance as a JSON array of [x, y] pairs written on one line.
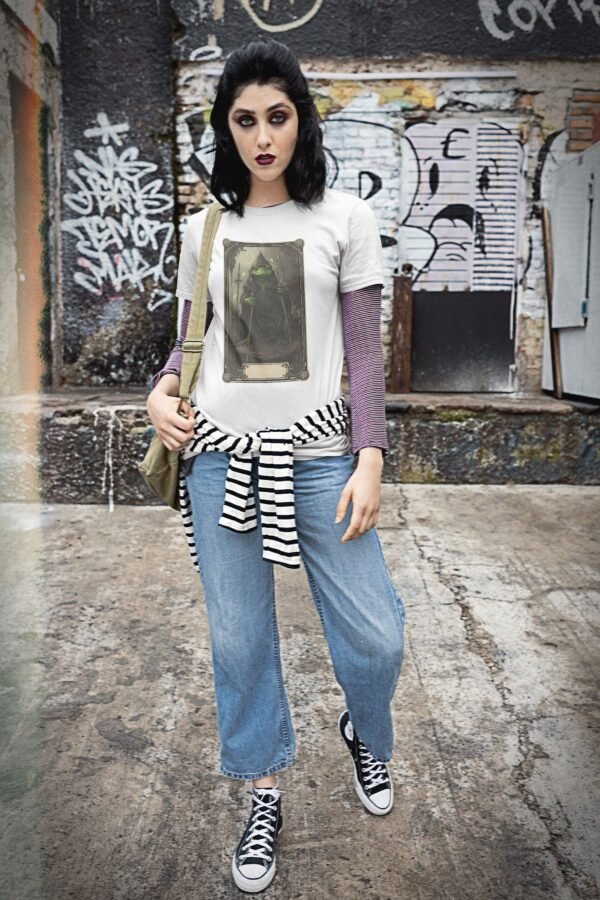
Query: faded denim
[[361, 612]]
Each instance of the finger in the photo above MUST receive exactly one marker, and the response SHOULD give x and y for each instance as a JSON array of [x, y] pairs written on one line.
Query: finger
[[173, 443], [364, 522], [349, 534], [166, 441], [188, 415], [342, 505], [175, 434], [352, 529], [172, 429], [370, 521], [174, 420]]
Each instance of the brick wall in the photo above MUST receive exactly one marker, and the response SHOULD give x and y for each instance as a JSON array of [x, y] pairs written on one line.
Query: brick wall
[[583, 119]]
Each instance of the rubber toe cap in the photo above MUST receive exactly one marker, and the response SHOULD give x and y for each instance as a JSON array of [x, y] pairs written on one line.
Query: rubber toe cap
[[382, 798]]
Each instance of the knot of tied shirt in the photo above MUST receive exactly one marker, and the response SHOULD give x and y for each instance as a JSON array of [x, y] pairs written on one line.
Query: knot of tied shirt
[[275, 450]]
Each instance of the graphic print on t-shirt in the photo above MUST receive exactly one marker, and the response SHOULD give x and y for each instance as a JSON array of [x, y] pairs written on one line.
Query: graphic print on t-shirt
[[265, 323]]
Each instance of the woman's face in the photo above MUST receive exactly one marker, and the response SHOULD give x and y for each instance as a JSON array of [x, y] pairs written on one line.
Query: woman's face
[[263, 121]]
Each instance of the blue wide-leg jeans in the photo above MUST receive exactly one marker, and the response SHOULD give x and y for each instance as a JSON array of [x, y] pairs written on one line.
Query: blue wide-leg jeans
[[361, 612]]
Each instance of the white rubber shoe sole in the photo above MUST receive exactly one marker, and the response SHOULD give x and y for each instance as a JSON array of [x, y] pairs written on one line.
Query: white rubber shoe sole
[[366, 801], [253, 885]]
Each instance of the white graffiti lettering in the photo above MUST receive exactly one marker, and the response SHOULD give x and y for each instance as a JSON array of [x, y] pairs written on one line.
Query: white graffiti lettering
[[524, 15], [294, 20], [206, 53], [122, 236]]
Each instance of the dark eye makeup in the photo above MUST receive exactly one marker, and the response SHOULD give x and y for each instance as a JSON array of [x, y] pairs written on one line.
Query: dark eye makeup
[[241, 120]]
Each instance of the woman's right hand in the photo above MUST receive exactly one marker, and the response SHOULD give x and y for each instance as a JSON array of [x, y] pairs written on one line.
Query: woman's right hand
[[173, 428]]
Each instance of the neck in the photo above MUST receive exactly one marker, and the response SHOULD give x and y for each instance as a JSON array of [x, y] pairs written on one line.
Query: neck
[[267, 194]]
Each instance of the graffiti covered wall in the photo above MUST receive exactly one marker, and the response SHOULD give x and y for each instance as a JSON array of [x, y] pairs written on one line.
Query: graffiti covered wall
[[454, 170], [118, 205], [117, 200], [483, 29]]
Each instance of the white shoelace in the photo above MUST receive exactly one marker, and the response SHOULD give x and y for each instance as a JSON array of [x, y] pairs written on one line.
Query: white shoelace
[[259, 842], [374, 771]]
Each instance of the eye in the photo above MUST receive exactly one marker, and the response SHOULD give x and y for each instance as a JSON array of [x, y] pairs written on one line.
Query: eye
[[278, 118]]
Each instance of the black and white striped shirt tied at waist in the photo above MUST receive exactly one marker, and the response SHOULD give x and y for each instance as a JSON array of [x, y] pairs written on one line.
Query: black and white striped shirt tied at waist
[[275, 448]]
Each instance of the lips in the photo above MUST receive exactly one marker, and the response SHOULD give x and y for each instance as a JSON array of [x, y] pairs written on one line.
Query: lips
[[264, 158]]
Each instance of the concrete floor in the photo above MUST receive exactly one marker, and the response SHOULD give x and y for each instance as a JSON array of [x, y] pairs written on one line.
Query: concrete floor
[[110, 784]]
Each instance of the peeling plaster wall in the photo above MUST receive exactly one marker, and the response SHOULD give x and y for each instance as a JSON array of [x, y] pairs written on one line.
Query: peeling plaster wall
[[365, 127]]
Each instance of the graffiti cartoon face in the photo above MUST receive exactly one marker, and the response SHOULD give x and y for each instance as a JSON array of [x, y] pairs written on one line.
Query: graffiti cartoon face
[[460, 182], [437, 229]]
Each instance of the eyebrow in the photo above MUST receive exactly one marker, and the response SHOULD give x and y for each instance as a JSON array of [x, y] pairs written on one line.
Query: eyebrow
[[239, 109]]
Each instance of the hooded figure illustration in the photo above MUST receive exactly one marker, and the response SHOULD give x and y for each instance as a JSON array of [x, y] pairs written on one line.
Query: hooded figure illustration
[[263, 310]]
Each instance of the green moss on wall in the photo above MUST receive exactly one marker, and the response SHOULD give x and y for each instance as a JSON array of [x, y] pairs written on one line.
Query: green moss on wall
[[457, 415]]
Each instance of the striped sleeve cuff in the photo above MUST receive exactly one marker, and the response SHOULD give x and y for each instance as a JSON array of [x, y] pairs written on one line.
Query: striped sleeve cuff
[[361, 312], [173, 363]]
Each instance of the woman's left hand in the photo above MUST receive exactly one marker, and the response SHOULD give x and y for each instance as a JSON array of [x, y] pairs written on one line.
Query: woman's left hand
[[363, 488]]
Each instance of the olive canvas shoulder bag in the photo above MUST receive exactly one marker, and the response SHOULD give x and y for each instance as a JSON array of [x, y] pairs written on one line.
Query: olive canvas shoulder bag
[[160, 466]]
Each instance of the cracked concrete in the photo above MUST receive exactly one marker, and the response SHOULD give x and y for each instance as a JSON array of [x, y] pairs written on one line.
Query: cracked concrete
[[110, 782]]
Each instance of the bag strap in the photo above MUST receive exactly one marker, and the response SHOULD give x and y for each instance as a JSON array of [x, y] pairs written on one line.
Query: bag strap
[[193, 344]]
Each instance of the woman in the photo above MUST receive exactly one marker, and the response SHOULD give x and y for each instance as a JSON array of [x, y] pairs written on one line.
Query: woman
[[295, 284]]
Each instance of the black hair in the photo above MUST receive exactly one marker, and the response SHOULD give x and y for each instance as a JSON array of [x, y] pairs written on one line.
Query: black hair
[[266, 61]]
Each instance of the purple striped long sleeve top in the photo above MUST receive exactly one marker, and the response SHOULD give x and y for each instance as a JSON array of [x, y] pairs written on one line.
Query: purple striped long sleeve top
[[361, 315]]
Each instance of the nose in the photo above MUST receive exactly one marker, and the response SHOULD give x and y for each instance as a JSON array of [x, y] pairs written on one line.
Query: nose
[[264, 137]]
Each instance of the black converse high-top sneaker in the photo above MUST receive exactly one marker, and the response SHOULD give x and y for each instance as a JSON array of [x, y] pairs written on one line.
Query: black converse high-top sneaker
[[372, 779], [253, 863]]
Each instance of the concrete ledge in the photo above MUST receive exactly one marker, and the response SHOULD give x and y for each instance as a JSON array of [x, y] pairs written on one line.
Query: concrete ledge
[[492, 439], [82, 445], [514, 403]]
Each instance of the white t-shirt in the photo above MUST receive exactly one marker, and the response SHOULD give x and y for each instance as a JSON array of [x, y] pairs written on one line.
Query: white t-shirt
[[274, 349]]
